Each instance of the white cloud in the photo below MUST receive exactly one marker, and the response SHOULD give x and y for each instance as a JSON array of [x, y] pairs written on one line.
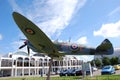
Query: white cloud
[[109, 30], [1, 37], [52, 16], [14, 6], [82, 40], [115, 12], [17, 44]]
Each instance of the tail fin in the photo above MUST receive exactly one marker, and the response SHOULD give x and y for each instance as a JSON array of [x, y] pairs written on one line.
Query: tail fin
[[105, 48]]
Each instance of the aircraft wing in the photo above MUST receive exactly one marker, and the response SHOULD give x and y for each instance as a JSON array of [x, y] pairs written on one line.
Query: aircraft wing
[[36, 36]]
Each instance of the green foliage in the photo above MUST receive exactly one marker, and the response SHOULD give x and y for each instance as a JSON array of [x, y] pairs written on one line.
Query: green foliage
[[114, 60], [104, 77], [101, 77], [98, 62], [92, 63], [106, 61], [44, 78]]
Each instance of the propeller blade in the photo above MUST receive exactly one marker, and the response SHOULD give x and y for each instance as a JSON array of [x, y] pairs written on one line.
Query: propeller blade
[[22, 46], [23, 39], [28, 49]]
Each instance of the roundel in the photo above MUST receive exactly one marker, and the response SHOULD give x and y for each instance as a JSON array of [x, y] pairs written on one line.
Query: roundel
[[29, 31], [74, 47]]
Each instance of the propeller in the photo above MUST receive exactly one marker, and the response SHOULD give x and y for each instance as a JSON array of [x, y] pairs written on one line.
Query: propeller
[[25, 44], [22, 46], [28, 50]]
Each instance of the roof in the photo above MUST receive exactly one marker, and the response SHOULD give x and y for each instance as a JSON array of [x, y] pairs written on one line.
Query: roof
[[22, 53]]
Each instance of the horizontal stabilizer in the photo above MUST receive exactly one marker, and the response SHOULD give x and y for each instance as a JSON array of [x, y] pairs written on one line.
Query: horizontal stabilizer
[[105, 48]]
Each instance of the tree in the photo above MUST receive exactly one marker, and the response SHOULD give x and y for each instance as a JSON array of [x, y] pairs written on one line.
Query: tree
[[92, 63], [106, 61], [98, 62], [114, 60]]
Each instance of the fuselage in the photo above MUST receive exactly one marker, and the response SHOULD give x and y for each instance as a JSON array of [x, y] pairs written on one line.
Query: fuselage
[[74, 49], [68, 48]]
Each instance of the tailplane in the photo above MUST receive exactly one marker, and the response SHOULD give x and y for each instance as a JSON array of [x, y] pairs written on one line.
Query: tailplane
[[105, 48]]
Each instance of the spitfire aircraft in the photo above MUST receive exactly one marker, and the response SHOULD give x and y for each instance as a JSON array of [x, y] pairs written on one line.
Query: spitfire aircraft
[[39, 42]]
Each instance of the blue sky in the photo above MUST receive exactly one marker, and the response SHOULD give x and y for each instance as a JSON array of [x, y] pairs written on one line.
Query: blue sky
[[86, 22]]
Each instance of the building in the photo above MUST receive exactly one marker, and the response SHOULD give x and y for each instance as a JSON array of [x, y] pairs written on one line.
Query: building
[[20, 64]]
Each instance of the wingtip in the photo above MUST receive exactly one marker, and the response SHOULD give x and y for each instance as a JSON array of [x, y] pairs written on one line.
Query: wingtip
[[14, 13]]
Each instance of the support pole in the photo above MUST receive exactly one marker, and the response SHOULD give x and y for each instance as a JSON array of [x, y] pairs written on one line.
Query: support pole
[[50, 67]]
